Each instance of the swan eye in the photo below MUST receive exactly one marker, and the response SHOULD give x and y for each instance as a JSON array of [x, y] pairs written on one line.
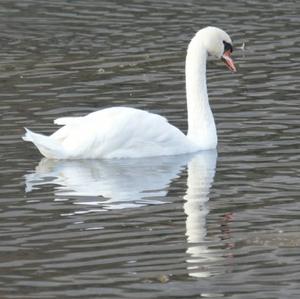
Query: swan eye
[[227, 47]]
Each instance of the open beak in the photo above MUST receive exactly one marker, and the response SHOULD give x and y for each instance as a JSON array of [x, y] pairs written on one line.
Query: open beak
[[228, 61]]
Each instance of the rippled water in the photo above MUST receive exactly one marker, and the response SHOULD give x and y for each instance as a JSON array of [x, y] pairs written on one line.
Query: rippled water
[[173, 227]]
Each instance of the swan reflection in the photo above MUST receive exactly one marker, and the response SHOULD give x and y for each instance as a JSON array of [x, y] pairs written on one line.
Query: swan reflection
[[121, 183], [201, 172], [131, 183]]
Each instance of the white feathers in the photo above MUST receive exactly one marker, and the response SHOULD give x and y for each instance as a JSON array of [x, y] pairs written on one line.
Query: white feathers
[[122, 132], [48, 147], [67, 120], [112, 133]]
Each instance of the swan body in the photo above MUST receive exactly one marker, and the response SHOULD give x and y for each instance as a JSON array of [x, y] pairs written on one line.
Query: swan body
[[122, 132], [113, 133]]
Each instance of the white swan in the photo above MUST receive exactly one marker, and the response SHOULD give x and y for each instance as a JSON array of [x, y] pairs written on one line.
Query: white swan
[[122, 132]]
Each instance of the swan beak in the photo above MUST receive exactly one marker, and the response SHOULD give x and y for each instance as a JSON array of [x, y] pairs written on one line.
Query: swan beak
[[228, 61]]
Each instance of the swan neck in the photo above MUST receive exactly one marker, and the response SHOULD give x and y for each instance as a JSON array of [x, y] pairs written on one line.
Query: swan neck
[[201, 125]]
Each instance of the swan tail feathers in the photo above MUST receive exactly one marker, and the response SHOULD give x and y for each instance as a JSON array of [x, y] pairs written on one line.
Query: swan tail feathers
[[47, 146]]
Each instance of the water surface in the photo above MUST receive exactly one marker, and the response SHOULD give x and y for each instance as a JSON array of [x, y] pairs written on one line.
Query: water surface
[[198, 226]]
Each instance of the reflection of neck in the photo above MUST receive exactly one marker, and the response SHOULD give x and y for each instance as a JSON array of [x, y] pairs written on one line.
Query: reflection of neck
[[201, 171], [201, 125]]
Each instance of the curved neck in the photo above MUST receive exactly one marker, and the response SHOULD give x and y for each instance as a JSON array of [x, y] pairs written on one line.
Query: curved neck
[[201, 125]]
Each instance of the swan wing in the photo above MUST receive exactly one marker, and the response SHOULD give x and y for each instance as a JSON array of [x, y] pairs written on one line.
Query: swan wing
[[62, 121], [120, 132]]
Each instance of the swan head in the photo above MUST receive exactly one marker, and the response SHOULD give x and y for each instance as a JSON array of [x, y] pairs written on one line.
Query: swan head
[[218, 44]]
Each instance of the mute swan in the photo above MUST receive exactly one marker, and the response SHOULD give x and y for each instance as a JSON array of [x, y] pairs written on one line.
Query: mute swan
[[122, 132]]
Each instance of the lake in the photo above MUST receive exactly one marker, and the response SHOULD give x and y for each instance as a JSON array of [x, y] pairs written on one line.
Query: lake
[[217, 224]]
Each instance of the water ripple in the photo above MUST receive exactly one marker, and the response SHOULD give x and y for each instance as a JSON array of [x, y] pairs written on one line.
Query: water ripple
[[141, 230]]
